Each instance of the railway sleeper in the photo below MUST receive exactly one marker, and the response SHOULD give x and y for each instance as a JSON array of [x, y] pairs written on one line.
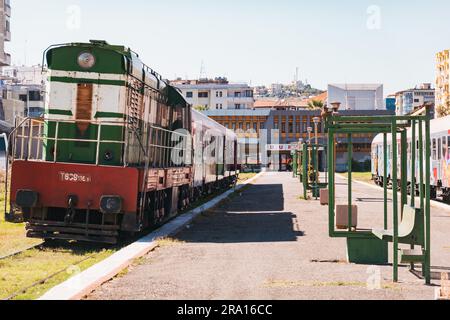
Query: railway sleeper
[[84, 231]]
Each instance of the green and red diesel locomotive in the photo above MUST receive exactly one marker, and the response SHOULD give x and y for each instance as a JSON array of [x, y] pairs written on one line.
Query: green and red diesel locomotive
[[117, 151]]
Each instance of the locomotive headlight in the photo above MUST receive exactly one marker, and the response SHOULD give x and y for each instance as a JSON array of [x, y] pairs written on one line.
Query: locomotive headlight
[[86, 60], [111, 204], [27, 198]]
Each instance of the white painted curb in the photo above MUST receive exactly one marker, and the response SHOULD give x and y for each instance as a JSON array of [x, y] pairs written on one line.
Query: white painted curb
[[87, 281]]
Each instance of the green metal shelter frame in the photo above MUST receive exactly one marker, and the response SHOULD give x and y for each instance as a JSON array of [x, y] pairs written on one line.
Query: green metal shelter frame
[[370, 246], [307, 167]]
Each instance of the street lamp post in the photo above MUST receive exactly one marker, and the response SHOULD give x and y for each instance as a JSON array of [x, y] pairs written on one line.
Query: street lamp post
[[335, 107], [309, 129], [316, 121]]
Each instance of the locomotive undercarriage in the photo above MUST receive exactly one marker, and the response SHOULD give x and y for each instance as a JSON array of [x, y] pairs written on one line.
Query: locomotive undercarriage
[[72, 224], [95, 226]]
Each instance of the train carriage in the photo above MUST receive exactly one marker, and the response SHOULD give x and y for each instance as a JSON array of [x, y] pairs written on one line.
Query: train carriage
[[113, 153], [440, 158], [216, 164]]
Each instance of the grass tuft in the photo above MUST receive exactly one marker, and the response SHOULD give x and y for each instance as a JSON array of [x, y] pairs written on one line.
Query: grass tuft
[[168, 242]]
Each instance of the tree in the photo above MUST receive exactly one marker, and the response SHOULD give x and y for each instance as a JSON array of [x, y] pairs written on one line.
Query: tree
[[201, 108], [315, 104]]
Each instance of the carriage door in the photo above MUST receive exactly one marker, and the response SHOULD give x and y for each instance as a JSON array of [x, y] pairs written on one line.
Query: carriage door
[[84, 107]]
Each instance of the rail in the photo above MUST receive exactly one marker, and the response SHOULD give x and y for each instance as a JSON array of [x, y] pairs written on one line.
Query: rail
[[29, 136]]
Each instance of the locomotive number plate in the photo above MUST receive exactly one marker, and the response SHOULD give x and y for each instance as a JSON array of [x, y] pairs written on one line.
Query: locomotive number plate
[[74, 177]]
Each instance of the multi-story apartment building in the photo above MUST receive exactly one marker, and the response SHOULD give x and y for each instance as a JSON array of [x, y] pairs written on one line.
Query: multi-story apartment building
[[408, 101], [357, 96], [276, 89], [216, 94], [25, 75], [30, 96], [5, 31], [443, 83], [26, 86]]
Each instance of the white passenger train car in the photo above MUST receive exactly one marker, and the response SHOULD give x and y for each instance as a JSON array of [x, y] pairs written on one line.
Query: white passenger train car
[[440, 158]]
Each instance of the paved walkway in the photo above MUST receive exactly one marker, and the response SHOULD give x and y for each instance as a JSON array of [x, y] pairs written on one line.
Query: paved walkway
[[270, 244]]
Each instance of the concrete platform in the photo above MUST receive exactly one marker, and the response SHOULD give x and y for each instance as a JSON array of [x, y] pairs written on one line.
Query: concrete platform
[[270, 244], [84, 283]]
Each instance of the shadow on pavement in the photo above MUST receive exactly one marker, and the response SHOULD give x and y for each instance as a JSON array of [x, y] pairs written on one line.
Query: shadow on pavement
[[259, 198], [255, 216], [224, 227]]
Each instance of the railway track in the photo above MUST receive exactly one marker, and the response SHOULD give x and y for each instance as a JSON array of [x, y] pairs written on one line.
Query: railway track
[[52, 250], [44, 280], [16, 253]]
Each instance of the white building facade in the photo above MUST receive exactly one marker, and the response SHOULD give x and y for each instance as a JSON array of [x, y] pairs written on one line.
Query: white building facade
[[24, 85], [216, 94], [25, 75], [5, 31], [408, 101], [30, 96], [357, 96]]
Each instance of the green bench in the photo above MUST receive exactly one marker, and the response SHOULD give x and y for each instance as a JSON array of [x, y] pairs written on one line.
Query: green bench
[[410, 231]]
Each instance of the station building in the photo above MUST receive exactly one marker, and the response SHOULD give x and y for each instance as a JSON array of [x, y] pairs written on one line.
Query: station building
[[268, 134]]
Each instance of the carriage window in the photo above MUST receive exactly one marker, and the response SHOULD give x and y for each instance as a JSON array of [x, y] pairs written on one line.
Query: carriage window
[[439, 157], [448, 148], [444, 147], [434, 150]]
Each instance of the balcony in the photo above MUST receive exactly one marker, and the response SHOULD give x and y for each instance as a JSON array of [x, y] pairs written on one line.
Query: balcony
[[240, 99], [7, 9], [5, 59], [7, 35]]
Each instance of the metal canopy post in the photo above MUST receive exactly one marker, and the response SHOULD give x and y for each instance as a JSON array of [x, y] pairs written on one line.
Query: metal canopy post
[[413, 163], [427, 200], [331, 182], [395, 198], [350, 182], [413, 173], [385, 177], [404, 169]]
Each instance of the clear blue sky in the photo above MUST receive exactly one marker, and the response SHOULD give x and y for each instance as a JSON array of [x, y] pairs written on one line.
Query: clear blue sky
[[256, 41]]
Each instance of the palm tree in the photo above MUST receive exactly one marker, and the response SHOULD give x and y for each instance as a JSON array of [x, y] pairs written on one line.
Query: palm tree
[[315, 105], [201, 108]]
